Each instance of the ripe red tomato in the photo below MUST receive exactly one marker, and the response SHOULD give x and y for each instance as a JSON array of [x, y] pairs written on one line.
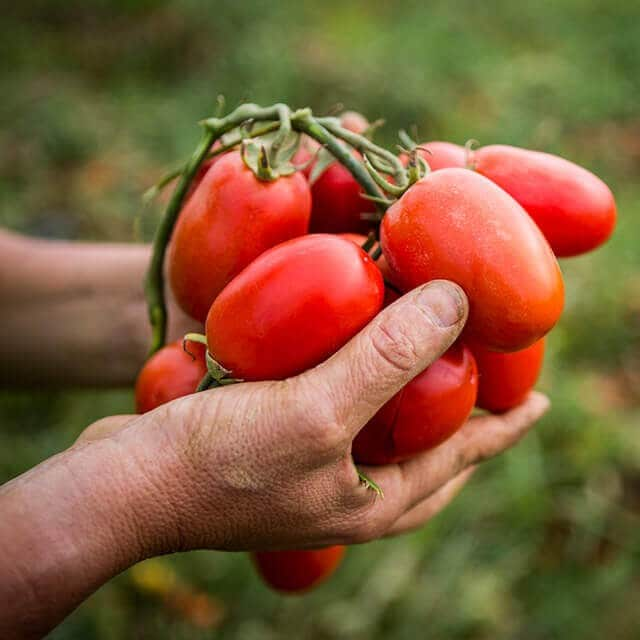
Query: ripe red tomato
[[230, 219], [427, 411], [441, 155], [574, 209], [293, 307], [506, 378], [456, 224], [338, 202], [391, 294], [297, 571], [169, 374], [354, 121]]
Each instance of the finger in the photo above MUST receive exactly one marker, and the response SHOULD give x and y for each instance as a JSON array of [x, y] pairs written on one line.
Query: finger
[[104, 427], [482, 437], [396, 346], [431, 506]]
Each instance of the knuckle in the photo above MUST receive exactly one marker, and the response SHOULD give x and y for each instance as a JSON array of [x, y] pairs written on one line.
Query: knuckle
[[393, 343]]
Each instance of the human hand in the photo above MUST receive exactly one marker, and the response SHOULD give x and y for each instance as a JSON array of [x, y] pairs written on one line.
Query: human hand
[[268, 466]]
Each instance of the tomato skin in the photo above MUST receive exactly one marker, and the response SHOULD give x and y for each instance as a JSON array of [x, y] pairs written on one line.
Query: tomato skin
[[425, 413], [390, 293], [169, 374], [293, 307], [338, 202], [506, 378], [354, 121], [574, 209], [457, 225], [297, 571], [230, 219], [442, 155]]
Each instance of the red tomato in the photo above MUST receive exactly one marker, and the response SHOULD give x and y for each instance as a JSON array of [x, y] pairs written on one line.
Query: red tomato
[[441, 155], [427, 411], [292, 571], [574, 209], [506, 378], [169, 374], [390, 294], [230, 219], [354, 121], [456, 224], [338, 202], [293, 307]]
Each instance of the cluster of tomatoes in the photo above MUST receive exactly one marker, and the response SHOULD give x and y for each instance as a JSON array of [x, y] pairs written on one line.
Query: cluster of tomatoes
[[281, 274]]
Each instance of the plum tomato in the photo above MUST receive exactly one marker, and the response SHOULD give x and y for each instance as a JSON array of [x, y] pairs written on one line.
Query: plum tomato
[[297, 571], [574, 209], [506, 378], [169, 374], [458, 225], [293, 307], [427, 411], [230, 219]]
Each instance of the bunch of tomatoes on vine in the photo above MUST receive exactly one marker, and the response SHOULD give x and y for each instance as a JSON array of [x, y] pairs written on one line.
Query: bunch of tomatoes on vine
[[287, 233]]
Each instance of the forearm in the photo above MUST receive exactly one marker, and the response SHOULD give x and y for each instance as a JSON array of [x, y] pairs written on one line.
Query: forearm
[[73, 522], [72, 314]]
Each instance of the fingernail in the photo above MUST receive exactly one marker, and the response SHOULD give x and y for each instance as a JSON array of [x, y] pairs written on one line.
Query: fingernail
[[444, 301]]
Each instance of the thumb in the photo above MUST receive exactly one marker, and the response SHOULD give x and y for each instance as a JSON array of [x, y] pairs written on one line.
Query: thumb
[[398, 344]]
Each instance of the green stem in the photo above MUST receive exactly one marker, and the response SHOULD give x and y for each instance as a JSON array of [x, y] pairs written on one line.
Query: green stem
[[154, 284], [305, 122], [207, 382], [364, 145], [370, 484], [232, 142]]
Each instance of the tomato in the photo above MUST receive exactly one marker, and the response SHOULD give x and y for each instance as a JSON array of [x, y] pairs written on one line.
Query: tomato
[[506, 378], [457, 225], [354, 121], [293, 307], [169, 374], [391, 294], [427, 411], [292, 571], [338, 204], [574, 209], [441, 155], [230, 219]]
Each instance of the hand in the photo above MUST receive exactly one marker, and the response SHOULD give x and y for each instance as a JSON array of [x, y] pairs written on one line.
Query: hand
[[256, 466], [268, 465]]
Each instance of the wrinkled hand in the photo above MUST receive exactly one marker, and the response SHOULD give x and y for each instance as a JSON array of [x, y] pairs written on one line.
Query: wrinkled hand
[[268, 465]]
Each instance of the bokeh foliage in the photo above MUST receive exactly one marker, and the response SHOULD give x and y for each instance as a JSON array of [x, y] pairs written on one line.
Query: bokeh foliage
[[98, 98]]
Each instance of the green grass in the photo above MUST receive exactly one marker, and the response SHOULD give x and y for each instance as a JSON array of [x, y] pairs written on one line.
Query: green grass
[[99, 98]]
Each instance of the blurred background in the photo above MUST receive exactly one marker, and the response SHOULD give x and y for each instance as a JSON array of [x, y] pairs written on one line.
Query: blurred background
[[99, 98]]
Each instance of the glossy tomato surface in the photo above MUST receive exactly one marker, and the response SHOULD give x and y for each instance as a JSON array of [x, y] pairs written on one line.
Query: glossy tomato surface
[[338, 204], [297, 571], [230, 219], [506, 378], [427, 411], [458, 225], [442, 155], [574, 209], [293, 307], [169, 374]]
